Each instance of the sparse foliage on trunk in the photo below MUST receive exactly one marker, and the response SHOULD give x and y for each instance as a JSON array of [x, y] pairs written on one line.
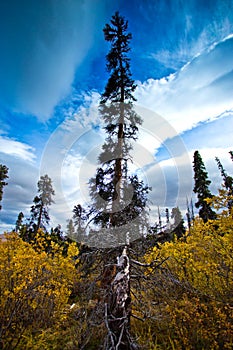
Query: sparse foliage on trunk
[[227, 181], [231, 155], [118, 212]]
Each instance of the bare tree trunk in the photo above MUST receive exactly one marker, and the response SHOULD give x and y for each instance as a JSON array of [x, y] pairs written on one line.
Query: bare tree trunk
[[117, 308]]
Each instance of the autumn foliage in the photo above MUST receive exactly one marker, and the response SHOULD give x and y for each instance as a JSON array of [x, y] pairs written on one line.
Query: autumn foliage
[[34, 286], [182, 299], [189, 298]]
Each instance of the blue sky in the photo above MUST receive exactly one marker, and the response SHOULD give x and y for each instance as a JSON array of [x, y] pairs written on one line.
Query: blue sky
[[52, 72]]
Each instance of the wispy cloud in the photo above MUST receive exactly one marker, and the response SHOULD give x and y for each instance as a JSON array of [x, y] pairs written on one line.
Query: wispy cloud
[[82, 111], [17, 149], [184, 101], [172, 182], [192, 26], [200, 91], [45, 50], [42, 45], [71, 154]]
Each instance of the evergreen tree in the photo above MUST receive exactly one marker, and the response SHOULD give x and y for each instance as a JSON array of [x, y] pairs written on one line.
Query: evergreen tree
[[231, 155], [188, 214], [121, 126], [192, 210], [117, 198], [201, 188], [3, 177], [39, 211], [70, 229], [19, 222], [78, 216], [228, 180], [120, 85], [167, 216], [160, 220], [178, 226]]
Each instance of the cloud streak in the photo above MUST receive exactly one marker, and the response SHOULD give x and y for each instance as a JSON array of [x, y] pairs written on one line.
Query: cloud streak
[[48, 47], [193, 26], [165, 148], [200, 91], [42, 44], [16, 149]]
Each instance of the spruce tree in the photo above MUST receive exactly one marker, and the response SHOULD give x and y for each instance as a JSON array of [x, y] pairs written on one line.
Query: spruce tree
[[228, 180], [201, 188], [120, 86], [70, 229], [188, 214], [3, 177], [231, 155], [123, 197], [19, 222], [117, 198], [167, 216], [192, 210], [121, 124], [178, 226], [39, 211], [160, 220], [117, 212]]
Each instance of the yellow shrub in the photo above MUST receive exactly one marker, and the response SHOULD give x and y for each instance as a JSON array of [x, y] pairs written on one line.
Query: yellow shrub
[[192, 290], [34, 287]]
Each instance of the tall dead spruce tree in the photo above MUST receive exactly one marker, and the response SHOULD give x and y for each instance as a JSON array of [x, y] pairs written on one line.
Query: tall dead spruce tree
[[119, 200]]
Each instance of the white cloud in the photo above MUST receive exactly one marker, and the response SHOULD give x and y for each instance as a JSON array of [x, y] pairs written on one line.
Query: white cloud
[[172, 179], [39, 71], [200, 91], [72, 151], [42, 46], [21, 189], [71, 185], [16, 148], [191, 30], [86, 114], [70, 157]]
